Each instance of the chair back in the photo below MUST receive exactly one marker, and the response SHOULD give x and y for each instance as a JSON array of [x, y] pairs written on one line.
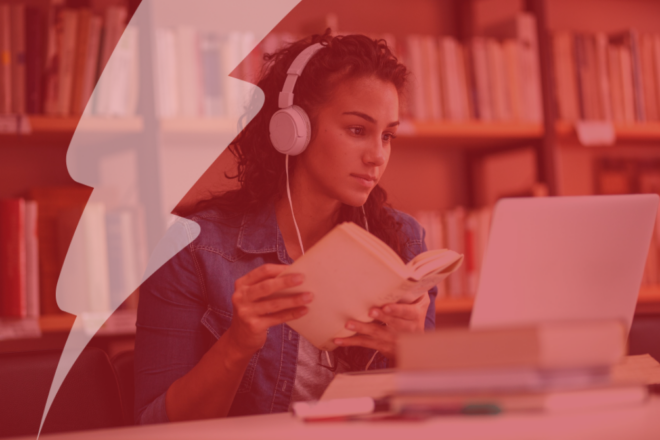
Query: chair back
[[88, 398], [124, 368]]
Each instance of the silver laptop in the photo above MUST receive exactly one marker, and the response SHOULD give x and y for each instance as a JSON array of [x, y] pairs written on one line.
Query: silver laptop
[[564, 258]]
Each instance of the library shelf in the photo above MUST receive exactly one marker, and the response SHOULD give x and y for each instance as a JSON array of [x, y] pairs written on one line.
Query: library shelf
[[198, 125], [635, 132], [475, 131], [480, 133], [40, 124], [121, 322]]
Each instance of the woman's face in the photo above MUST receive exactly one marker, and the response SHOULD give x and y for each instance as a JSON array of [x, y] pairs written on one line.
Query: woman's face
[[351, 148]]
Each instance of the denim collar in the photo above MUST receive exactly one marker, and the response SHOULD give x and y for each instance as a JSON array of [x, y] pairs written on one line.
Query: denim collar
[[260, 234]]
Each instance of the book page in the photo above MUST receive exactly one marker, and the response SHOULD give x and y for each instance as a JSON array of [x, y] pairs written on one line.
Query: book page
[[375, 384]]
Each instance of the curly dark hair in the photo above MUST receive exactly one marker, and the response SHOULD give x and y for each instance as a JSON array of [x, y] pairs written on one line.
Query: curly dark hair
[[261, 171]]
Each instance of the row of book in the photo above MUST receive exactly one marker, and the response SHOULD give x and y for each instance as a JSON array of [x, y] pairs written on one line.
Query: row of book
[[491, 78], [546, 368], [53, 70], [192, 69], [464, 231], [611, 77], [36, 236], [488, 79]]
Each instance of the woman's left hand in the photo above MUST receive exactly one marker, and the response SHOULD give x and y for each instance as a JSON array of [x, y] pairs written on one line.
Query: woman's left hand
[[398, 318]]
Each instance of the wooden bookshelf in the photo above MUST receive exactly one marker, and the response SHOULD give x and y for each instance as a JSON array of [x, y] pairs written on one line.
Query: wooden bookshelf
[[472, 133], [475, 131], [46, 124]]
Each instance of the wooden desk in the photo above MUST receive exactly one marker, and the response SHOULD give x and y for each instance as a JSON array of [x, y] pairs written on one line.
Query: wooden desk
[[639, 423]]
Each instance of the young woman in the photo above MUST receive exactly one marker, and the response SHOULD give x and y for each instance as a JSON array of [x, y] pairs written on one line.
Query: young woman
[[210, 342]]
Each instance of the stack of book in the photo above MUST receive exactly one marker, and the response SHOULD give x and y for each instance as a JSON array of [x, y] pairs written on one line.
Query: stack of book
[[613, 77], [548, 367]]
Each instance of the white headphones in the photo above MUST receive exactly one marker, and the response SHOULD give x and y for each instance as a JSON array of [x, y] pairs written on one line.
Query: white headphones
[[290, 129]]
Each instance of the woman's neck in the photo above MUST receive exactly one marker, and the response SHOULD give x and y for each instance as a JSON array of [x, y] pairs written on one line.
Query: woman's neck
[[315, 215]]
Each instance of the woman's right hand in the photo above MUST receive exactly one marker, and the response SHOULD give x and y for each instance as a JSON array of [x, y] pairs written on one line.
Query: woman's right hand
[[254, 312]]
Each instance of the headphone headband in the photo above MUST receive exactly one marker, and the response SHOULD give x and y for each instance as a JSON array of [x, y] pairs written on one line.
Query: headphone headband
[[295, 70]]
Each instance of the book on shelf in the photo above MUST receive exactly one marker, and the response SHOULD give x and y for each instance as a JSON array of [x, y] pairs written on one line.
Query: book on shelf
[[610, 77], [54, 69], [445, 229], [350, 271], [19, 259], [111, 256], [13, 277]]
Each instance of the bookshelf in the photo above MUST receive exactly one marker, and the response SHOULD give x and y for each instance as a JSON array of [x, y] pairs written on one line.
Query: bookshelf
[[418, 140]]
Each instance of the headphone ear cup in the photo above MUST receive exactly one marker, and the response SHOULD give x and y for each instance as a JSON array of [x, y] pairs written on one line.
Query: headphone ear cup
[[290, 130]]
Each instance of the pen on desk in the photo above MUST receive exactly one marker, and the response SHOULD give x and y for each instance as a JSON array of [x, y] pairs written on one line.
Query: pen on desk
[[476, 408]]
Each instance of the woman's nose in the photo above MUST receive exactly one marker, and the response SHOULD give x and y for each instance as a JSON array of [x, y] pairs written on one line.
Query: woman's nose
[[375, 155]]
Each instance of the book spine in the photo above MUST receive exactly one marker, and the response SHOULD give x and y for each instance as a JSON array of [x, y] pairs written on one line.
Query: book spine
[[627, 84], [96, 256], [416, 68], [67, 61], [18, 58], [82, 39], [31, 260], [33, 61], [432, 78], [638, 88], [188, 63], [482, 79], [12, 258], [603, 76], [91, 61], [212, 91], [616, 83], [648, 77], [5, 60], [512, 65]]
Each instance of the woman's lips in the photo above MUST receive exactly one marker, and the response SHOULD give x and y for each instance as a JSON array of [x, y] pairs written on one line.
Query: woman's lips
[[365, 180]]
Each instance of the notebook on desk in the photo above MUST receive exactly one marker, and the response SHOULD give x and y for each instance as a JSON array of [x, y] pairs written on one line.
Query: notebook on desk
[[564, 258]]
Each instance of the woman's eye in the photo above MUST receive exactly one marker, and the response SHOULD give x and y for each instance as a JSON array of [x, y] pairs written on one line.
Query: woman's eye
[[357, 130], [388, 136]]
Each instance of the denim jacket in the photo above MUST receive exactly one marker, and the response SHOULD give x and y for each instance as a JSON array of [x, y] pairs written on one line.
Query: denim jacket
[[185, 306]]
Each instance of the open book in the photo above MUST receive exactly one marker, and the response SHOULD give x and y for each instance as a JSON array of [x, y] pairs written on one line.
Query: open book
[[349, 271]]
